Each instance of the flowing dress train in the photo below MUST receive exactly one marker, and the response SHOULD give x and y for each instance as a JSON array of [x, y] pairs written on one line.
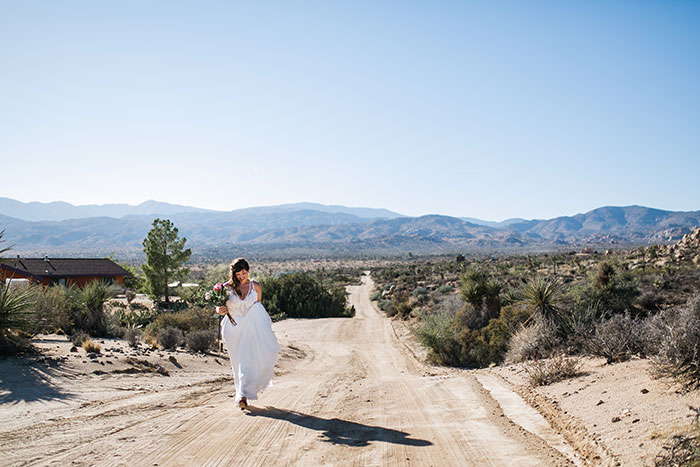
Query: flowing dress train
[[252, 346]]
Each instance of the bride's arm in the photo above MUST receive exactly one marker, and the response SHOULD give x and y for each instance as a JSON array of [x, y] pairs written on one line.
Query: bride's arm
[[258, 290]]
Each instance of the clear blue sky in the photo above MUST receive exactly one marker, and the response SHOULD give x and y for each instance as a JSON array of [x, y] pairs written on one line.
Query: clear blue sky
[[483, 109]]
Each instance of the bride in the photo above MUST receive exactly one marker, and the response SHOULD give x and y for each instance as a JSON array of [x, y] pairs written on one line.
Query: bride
[[252, 346]]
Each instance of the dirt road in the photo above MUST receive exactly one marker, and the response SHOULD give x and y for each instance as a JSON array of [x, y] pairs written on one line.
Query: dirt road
[[348, 393]]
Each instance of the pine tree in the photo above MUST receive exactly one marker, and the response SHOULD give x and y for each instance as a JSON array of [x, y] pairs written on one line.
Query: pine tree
[[165, 255]]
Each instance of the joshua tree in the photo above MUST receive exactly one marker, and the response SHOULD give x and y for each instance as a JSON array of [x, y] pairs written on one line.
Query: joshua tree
[[543, 295]]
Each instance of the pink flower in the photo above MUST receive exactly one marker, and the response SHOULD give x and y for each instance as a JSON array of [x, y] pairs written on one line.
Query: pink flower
[[218, 287]]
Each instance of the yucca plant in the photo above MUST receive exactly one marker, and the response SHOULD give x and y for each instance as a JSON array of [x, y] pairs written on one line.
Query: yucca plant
[[92, 297], [16, 312], [543, 295]]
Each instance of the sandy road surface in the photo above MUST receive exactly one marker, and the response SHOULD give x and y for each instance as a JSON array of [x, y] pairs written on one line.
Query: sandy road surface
[[351, 395]]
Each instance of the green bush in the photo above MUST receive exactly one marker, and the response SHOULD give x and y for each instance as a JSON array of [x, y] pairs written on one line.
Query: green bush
[[608, 289], [375, 296], [300, 295], [387, 306], [452, 342], [438, 332]]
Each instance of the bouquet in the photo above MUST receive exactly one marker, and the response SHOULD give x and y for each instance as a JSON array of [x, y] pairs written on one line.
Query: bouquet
[[218, 296]]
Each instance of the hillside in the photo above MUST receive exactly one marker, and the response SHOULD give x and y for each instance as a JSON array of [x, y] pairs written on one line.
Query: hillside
[[308, 229]]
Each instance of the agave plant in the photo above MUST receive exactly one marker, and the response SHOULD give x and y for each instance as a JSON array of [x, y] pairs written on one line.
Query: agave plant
[[543, 295]]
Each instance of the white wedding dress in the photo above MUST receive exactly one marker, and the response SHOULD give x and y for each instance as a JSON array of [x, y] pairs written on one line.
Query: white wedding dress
[[252, 346]]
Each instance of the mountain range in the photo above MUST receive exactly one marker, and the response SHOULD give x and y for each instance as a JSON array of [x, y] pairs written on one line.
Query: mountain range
[[309, 229]]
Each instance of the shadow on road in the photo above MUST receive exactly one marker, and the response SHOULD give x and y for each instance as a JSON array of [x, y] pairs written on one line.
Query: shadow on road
[[25, 380], [339, 431]]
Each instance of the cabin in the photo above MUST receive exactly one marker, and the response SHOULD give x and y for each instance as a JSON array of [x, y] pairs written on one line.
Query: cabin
[[62, 271]]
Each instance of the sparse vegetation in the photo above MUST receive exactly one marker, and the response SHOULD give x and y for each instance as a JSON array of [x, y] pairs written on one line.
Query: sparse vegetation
[[558, 368], [133, 337], [200, 341], [682, 449], [169, 338], [91, 346], [617, 305], [676, 335]]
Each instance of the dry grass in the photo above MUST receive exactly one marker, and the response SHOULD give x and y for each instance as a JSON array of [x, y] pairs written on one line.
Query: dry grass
[[559, 368], [91, 346]]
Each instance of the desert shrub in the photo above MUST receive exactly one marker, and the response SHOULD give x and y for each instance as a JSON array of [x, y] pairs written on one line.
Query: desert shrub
[[90, 316], [437, 332], [387, 306], [473, 318], [539, 339], [420, 291], [452, 342], [618, 338], [677, 334], [488, 345], [610, 290], [544, 295], [402, 305], [300, 295], [682, 449], [91, 346], [190, 319], [375, 296], [78, 338], [132, 336], [16, 316], [558, 368], [169, 338], [481, 291], [200, 341], [53, 309], [136, 317]]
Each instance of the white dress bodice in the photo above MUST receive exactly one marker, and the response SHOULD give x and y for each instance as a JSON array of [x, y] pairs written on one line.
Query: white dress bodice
[[237, 306]]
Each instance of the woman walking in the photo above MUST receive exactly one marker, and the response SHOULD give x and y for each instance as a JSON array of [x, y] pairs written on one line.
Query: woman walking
[[251, 344]]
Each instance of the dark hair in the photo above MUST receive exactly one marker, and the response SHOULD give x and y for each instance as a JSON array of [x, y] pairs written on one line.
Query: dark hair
[[238, 264]]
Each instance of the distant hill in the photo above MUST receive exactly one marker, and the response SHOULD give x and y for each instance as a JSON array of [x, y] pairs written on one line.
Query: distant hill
[[626, 224], [307, 229], [493, 224], [59, 210]]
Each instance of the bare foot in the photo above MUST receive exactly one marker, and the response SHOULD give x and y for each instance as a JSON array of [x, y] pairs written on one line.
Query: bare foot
[[243, 404]]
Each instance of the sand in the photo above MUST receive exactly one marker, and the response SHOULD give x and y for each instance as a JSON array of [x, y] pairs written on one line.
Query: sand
[[347, 392]]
